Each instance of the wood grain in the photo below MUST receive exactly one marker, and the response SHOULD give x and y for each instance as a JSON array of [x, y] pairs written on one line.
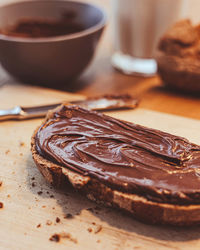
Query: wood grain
[[31, 206]]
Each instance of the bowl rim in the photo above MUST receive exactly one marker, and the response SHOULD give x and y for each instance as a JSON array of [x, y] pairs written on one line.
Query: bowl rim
[[100, 25]]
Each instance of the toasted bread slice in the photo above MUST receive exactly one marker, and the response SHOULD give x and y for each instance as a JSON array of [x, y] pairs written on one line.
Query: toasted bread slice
[[139, 206]]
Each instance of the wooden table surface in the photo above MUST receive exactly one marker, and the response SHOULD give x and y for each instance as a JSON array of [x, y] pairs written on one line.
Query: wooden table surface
[[28, 217]]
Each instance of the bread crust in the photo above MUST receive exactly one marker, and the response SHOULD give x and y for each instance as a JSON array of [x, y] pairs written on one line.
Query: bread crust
[[140, 207]]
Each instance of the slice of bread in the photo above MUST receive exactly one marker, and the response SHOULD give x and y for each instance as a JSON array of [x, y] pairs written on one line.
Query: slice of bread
[[140, 207]]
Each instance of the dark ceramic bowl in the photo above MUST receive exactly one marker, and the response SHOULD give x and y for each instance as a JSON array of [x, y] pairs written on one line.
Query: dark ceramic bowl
[[50, 60]]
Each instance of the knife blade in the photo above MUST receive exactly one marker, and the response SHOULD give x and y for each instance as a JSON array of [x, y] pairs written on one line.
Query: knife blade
[[101, 103]]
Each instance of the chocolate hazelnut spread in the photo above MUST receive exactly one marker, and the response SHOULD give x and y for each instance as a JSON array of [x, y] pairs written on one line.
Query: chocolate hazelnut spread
[[125, 156], [37, 28]]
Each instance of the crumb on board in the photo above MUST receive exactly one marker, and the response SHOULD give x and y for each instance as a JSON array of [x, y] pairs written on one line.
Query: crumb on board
[[1, 204], [39, 225], [1, 183], [43, 206], [7, 151], [69, 237], [8, 195], [57, 219], [21, 154], [98, 241], [98, 229], [89, 229], [55, 237], [68, 216], [48, 222]]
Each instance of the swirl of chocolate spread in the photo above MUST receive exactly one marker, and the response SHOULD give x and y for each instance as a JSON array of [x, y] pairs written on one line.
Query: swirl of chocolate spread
[[127, 157]]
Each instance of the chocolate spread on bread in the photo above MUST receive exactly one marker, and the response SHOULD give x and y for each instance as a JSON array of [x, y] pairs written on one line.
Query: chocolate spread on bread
[[124, 156]]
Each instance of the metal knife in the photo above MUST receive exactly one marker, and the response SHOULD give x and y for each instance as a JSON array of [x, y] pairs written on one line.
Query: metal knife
[[102, 103]]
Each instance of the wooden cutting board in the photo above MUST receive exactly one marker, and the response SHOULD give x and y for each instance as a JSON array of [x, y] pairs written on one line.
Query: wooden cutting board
[[34, 211]]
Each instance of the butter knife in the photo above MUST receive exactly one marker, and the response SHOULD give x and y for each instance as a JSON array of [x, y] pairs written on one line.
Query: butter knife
[[102, 103]]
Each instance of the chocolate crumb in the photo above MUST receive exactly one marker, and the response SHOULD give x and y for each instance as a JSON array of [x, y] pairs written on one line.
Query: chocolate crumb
[[40, 192], [52, 196], [33, 178], [55, 237], [33, 184], [98, 229], [68, 216], [1, 204], [48, 223], [89, 229], [69, 237], [39, 225], [93, 223], [57, 219], [53, 208], [1, 183], [47, 192]]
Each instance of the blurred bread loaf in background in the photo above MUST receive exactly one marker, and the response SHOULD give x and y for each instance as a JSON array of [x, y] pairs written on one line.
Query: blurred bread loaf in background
[[178, 57]]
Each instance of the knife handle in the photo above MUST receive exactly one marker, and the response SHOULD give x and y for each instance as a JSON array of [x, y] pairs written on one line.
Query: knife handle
[[9, 114]]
